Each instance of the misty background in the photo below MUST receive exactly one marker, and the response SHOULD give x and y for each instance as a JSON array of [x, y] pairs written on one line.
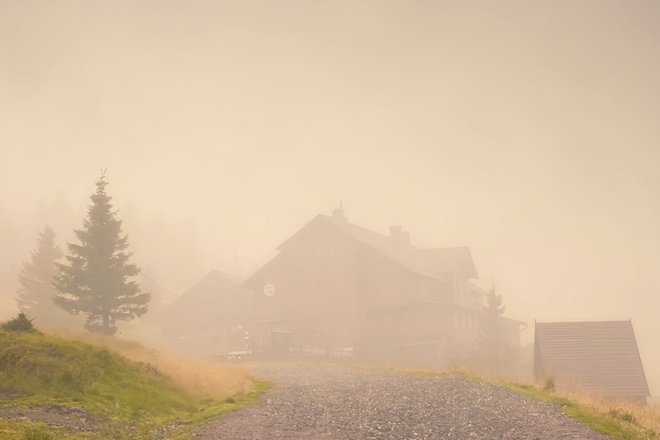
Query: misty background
[[527, 131]]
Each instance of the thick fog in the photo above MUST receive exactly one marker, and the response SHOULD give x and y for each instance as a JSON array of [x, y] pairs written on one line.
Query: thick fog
[[527, 131]]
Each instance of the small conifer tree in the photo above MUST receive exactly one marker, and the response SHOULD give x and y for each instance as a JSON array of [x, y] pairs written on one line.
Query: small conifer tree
[[20, 323]]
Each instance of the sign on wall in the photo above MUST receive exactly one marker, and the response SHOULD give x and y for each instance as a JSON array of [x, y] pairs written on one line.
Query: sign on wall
[[269, 290]]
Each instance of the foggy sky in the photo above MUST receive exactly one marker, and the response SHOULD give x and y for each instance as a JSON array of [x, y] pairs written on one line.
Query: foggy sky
[[527, 131]]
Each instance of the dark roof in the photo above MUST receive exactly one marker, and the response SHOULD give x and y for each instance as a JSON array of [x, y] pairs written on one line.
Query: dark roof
[[428, 262], [600, 356]]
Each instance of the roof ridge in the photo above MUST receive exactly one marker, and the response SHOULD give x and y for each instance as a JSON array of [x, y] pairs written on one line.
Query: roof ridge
[[434, 262]]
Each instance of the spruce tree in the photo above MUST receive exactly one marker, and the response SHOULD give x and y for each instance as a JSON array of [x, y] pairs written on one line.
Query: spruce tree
[[493, 341], [35, 282], [94, 280]]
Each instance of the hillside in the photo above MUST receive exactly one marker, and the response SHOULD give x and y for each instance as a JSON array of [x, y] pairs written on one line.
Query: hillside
[[52, 387]]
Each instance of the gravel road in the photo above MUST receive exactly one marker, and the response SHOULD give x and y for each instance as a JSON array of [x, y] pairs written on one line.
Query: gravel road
[[339, 402]]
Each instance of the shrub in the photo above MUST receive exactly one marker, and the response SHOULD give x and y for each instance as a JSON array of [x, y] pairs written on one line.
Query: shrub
[[549, 384], [21, 323], [620, 414]]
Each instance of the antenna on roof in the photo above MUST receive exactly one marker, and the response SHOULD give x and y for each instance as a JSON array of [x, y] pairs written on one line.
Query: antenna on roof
[[338, 213]]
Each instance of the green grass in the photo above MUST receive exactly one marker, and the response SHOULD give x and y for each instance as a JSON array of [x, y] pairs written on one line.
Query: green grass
[[11, 430], [134, 401], [213, 408], [51, 370]]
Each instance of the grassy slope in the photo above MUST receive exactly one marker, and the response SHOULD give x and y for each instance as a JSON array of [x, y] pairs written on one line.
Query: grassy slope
[[43, 370], [193, 377]]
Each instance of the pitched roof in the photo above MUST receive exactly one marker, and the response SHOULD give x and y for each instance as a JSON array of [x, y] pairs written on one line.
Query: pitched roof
[[215, 297], [600, 356], [428, 262]]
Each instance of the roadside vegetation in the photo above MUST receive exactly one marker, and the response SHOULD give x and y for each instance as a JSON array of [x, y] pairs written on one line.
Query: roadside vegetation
[[61, 387], [218, 381], [620, 419]]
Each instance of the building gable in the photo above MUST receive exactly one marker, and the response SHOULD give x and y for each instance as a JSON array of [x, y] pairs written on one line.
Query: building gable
[[435, 263], [215, 298]]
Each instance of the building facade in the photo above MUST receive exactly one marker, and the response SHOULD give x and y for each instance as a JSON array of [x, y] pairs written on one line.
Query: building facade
[[337, 288]]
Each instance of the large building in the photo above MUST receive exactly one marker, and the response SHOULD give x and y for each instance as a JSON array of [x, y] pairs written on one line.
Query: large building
[[335, 287]]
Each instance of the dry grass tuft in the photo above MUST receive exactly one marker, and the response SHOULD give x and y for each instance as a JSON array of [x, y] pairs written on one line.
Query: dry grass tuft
[[193, 377], [644, 416]]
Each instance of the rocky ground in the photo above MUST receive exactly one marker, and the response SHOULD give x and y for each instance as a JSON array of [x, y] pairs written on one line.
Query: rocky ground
[[60, 416], [336, 402]]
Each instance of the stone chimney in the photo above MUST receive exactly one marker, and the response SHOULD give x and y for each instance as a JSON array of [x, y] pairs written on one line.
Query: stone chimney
[[398, 236]]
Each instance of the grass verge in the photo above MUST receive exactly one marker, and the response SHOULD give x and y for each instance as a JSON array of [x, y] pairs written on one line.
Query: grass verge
[[118, 395], [218, 381]]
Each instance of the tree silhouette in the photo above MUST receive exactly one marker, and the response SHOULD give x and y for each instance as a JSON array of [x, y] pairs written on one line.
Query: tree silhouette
[[35, 282], [94, 281], [494, 303], [493, 341]]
